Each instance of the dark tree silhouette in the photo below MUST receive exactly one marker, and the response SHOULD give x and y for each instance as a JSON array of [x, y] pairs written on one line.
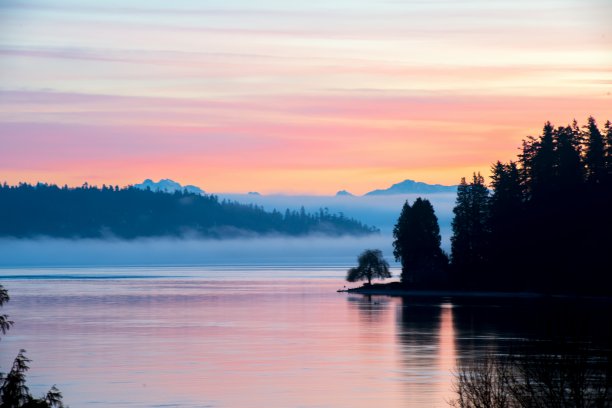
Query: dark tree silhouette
[[14, 393], [569, 168], [546, 226], [608, 152], [539, 158], [470, 233], [506, 213], [417, 244], [595, 160], [370, 265]]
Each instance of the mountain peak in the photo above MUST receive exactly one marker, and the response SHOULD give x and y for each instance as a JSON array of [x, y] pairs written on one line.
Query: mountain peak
[[168, 186], [344, 193], [413, 187]]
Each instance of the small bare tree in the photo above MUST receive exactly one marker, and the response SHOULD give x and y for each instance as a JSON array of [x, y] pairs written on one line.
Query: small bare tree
[[371, 265]]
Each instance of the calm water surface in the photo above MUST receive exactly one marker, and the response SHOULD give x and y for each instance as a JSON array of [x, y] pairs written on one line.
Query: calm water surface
[[249, 337]]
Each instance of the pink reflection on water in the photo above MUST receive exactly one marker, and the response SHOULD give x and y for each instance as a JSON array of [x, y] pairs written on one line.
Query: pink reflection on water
[[447, 354], [194, 343], [426, 340]]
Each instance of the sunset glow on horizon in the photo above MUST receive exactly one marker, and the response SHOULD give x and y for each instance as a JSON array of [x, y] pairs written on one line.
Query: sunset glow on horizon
[[292, 98]]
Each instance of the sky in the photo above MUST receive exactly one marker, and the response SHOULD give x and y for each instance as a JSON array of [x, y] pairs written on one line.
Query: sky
[[290, 97]]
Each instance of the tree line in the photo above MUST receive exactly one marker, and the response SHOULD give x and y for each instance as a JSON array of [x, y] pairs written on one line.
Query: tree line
[[90, 212], [544, 224]]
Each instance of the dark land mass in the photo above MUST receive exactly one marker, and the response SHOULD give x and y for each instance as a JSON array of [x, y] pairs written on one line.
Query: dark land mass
[[542, 226], [403, 290], [44, 210]]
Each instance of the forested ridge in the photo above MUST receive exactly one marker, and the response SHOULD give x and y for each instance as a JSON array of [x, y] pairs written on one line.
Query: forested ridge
[[111, 212], [546, 225]]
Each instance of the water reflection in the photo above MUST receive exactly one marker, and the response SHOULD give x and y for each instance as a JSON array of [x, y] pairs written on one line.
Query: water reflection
[[206, 341], [260, 338], [426, 337], [498, 325], [447, 354], [433, 334], [371, 308]]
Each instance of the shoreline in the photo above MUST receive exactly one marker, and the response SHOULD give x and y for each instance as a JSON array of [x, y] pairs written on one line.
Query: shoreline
[[380, 290]]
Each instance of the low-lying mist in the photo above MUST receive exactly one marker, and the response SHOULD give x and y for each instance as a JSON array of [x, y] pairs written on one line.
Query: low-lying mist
[[314, 250], [380, 211]]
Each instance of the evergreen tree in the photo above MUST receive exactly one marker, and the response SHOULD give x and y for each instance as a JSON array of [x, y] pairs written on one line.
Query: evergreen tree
[[608, 152], [507, 194], [401, 237], [505, 222], [595, 153], [569, 173], [553, 177], [469, 243], [15, 392], [546, 226], [542, 164], [528, 151], [460, 240], [417, 244]]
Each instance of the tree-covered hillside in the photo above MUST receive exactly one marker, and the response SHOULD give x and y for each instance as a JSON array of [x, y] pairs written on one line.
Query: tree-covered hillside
[[112, 212], [546, 225]]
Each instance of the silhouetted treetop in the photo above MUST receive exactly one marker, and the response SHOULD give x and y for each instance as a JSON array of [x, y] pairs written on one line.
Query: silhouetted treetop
[[595, 159]]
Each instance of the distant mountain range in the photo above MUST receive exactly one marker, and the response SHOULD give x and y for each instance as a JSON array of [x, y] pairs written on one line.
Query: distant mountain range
[[404, 187], [168, 186], [413, 187]]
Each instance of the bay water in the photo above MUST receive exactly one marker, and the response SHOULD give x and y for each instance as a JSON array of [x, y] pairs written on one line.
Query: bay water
[[242, 336]]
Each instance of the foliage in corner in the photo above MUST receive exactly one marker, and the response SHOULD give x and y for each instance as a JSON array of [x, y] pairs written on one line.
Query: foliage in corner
[[14, 393]]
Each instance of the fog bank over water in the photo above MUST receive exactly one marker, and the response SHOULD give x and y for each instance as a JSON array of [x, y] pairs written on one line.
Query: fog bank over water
[[46, 252], [379, 211]]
